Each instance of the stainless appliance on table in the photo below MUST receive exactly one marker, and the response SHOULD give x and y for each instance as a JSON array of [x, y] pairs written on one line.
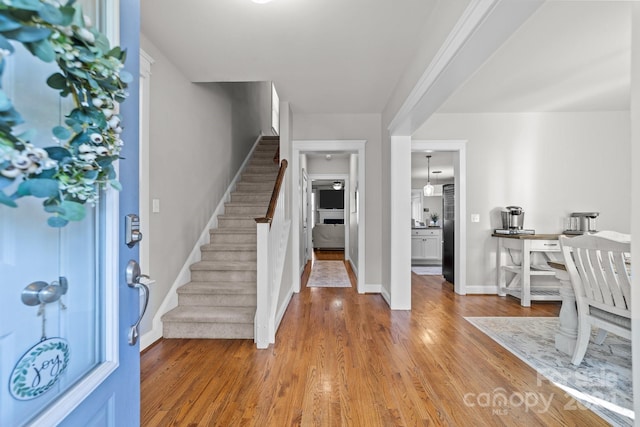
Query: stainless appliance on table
[[581, 223], [513, 221]]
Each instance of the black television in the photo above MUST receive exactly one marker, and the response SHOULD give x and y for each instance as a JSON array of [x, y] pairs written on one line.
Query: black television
[[331, 199]]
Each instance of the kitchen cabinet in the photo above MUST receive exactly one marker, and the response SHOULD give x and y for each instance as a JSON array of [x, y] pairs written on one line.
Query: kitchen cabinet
[[426, 244]]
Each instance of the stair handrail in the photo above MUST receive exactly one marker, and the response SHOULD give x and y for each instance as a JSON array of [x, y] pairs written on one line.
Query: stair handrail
[[273, 202]]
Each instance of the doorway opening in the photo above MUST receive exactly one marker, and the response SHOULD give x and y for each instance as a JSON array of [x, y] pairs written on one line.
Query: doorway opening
[[329, 219], [432, 233], [454, 231], [326, 163], [328, 223]]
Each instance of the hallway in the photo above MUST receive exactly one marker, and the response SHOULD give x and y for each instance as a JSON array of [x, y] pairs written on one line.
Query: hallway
[[342, 358]]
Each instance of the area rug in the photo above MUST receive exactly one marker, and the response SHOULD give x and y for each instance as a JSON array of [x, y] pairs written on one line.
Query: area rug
[[329, 274], [602, 382], [430, 270]]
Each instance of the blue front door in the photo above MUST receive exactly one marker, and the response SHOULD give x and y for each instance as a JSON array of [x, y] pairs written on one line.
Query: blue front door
[[86, 328]]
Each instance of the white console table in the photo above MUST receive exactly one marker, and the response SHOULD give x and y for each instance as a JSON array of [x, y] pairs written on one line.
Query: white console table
[[520, 285]]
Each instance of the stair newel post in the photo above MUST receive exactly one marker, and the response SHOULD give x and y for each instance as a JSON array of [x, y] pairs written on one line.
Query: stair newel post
[[261, 323], [270, 261]]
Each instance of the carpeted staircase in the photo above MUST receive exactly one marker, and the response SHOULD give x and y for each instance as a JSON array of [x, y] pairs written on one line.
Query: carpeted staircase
[[220, 300]]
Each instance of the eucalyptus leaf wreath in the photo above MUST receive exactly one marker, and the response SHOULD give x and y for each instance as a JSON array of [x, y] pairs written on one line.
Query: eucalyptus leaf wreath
[[71, 173]]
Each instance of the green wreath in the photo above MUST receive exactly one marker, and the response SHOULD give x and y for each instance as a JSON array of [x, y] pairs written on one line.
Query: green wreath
[[72, 173]]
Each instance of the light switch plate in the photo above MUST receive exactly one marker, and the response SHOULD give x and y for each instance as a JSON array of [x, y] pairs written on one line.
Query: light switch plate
[[155, 205], [475, 217]]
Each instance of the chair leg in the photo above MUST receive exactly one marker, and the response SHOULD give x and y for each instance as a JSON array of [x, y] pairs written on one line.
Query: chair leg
[[602, 334], [584, 333]]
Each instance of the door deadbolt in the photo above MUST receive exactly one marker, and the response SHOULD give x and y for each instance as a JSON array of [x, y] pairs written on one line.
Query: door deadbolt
[[132, 234]]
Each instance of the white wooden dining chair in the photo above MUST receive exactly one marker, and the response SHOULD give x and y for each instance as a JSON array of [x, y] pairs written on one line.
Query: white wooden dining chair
[[597, 265]]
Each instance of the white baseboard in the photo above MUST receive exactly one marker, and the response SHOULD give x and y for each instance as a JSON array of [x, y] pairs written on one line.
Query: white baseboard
[[482, 289], [353, 267], [370, 288], [283, 308], [171, 299], [385, 295]]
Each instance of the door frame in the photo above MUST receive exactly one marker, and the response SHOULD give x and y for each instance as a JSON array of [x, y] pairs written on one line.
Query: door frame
[[145, 103], [352, 146], [460, 181], [398, 295]]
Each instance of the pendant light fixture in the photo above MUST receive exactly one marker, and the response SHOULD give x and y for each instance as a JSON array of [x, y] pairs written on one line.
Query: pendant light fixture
[[337, 185], [428, 189]]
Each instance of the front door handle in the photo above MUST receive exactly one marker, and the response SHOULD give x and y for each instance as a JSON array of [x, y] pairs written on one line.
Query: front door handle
[[133, 276]]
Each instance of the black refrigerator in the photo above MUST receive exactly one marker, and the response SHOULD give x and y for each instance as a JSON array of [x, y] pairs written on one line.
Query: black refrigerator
[[448, 227]]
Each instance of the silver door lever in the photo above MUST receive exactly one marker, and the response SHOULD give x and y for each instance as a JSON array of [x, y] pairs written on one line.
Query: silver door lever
[[133, 276]]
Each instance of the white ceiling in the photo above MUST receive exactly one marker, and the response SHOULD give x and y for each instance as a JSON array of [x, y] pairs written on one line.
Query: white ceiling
[[346, 56], [569, 56], [325, 56]]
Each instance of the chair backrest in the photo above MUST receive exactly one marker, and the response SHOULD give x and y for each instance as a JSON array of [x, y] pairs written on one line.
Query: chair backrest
[[597, 264]]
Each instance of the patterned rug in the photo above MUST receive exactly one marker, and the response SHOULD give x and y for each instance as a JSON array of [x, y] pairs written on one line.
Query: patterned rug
[[428, 270], [329, 274], [602, 382]]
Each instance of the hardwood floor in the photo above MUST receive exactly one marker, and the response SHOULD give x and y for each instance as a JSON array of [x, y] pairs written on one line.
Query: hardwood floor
[[328, 255], [344, 359]]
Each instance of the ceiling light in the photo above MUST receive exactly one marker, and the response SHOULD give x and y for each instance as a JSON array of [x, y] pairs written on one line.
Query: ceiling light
[[428, 189], [337, 185], [328, 157]]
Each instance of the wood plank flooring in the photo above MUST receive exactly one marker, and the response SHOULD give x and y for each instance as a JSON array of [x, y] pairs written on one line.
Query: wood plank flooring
[[344, 359]]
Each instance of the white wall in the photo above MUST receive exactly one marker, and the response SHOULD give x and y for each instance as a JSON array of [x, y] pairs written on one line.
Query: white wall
[[551, 164], [251, 110], [354, 127], [322, 166], [193, 156]]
